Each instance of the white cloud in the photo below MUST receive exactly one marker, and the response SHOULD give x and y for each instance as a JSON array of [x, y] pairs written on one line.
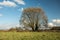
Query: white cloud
[[8, 3], [21, 9], [56, 21], [18, 25], [50, 24], [1, 15], [1, 7], [20, 2], [7, 26]]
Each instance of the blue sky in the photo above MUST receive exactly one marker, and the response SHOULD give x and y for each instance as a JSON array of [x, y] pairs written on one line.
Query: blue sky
[[11, 10]]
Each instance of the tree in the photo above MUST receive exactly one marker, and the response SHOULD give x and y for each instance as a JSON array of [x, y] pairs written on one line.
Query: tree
[[33, 18]]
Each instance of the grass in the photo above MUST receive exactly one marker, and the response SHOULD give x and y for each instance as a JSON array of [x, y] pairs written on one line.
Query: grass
[[29, 35]]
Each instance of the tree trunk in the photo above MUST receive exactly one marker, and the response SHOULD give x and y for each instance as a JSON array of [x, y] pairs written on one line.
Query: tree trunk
[[33, 29], [36, 28]]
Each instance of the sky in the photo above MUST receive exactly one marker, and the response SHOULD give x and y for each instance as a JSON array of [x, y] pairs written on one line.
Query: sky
[[11, 11]]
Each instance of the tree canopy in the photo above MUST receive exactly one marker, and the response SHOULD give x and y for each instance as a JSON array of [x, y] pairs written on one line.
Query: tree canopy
[[33, 18]]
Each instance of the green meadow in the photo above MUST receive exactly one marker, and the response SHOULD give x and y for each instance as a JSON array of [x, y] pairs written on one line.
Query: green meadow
[[29, 35]]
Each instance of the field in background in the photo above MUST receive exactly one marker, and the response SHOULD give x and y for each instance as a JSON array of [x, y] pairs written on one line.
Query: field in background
[[29, 35]]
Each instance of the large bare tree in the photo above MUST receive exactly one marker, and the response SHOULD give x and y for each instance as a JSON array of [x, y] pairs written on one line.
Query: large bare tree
[[34, 18]]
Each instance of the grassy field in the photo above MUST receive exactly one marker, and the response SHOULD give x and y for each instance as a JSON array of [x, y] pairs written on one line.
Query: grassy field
[[29, 35]]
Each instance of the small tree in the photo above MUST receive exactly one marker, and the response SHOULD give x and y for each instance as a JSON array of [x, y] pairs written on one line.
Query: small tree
[[34, 18]]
